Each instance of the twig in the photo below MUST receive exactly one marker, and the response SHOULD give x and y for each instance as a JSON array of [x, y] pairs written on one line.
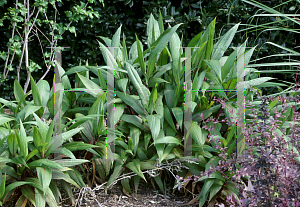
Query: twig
[[6, 61], [152, 173]]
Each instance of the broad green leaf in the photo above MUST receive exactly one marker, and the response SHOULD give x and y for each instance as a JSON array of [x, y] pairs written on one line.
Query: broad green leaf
[[215, 66], [67, 153], [101, 80], [228, 65], [147, 138], [117, 171], [70, 162], [80, 121], [197, 83], [14, 185], [154, 124], [58, 175], [2, 186], [4, 120], [116, 41], [43, 127], [133, 102], [76, 176], [98, 109], [211, 34], [178, 114], [124, 49], [93, 88], [196, 133], [18, 90], [222, 45], [22, 140], [160, 109], [152, 32], [108, 57], [68, 134], [54, 144], [168, 117], [44, 91], [31, 154], [205, 190], [159, 183], [152, 99], [169, 93], [119, 110], [147, 165], [154, 81], [167, 151], [12, 143], [141, 57], [106, 40], [28, 193], [45, 175], [214, 189], [159, 147], [211, 76], [248, 56], [75, 146], [20, 160], [122, 84], [135, 120], [161, 23], [195, 40], [136, 167], [44, 162], [160, 44], [255, 82], [38, 140], [168, 140], [135, 137], [162, 70], [76, 69], [28, 110], [12, 106], [125, 185], [199, 55], [133, 52], [175, 54], [36, 95], [143, 92], [64, 79]]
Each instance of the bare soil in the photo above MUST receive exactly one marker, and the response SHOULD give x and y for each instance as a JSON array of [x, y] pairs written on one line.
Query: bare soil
[[146, 196]]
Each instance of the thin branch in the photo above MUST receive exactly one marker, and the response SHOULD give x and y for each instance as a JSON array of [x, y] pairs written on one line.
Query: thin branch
[[26, 40], [37, 35], [6, 61], [42, 33]]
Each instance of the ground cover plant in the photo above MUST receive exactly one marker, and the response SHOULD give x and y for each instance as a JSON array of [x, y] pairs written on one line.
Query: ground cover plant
[[268, 174]]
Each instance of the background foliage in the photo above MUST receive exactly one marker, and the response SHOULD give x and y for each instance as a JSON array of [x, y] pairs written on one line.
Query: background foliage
[[196, 15]]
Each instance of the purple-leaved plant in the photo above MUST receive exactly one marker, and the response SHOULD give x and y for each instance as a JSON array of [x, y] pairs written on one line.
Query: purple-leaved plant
[[269, 165]]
